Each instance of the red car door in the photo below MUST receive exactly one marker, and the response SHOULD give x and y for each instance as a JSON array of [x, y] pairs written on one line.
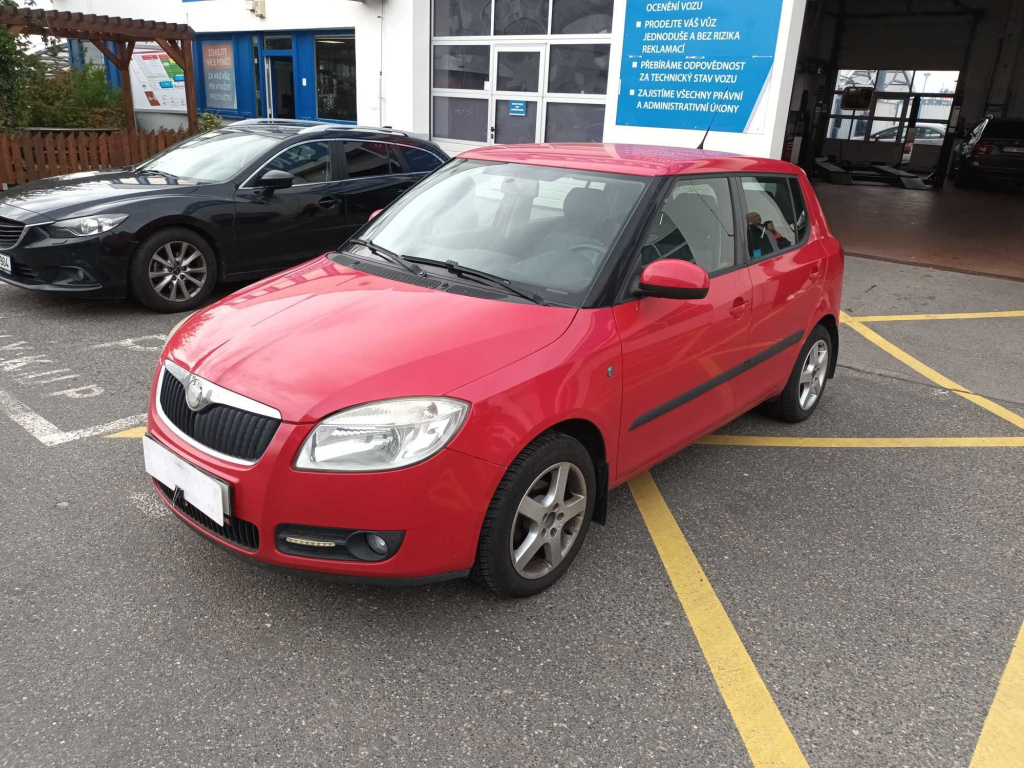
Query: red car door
[[787, 274], [680, 357]]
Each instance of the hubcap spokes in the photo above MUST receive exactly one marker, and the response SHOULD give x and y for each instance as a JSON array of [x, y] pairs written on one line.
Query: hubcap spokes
[[177, 271], [812, 374], [548, 520]]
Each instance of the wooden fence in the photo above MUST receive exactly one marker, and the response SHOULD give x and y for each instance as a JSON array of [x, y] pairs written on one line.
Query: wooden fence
[[30, 155]]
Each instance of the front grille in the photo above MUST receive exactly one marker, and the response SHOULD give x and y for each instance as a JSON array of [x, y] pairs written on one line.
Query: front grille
[[222, 428], [237, 531], [10, 232]]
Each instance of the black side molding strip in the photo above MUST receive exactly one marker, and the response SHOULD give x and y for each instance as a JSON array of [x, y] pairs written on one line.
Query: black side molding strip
[[718, 380]]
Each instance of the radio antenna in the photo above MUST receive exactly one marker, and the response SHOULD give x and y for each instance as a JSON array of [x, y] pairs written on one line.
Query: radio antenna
[[701, 145]]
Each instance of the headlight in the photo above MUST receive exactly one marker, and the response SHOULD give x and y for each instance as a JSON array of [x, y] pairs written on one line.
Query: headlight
[[86, 225], [384, 435]]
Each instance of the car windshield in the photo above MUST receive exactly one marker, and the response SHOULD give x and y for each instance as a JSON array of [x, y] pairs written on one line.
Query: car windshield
[[550, 229], [213, 156]]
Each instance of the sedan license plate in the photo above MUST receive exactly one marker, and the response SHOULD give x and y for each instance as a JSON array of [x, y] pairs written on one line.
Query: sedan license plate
[[204, 492], [1016, 150], [5, 264]]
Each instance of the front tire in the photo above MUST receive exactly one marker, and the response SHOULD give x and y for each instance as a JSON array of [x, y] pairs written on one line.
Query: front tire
[[806, 384], [173, 270], [538, 518]]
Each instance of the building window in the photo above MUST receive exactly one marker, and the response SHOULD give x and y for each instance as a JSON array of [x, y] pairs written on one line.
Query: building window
[[456, 18], [277, 42], [578, 69], [335, 77], [571, 121], [460, 119], [466, 67], [581, 17], [520, 17], [889, 117]]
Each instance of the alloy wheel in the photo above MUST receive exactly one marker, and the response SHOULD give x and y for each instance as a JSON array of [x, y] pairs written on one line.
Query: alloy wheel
[[548, 520], [177, 271], [812, 375]]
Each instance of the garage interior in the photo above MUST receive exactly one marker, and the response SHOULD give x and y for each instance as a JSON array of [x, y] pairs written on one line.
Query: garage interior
[[885, 174]]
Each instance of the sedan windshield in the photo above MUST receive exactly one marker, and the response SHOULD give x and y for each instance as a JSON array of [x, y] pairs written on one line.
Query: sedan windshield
[[213, 156], [550, 229]]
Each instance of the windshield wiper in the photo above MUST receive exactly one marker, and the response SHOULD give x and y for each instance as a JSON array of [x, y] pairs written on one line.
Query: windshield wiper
[[486, 277], [154, 172], [391, 256]]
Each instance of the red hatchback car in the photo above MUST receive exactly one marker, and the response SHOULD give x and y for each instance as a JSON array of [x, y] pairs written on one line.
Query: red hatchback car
[[456, 389]]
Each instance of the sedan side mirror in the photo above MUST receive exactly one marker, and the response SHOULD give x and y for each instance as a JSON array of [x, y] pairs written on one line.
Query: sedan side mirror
[[674, 279], [276, 179]]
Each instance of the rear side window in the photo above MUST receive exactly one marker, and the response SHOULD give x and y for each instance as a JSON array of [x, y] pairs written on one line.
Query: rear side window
[[694, 223], [368, 158], [776, 214], [419, 160], [309, 163]]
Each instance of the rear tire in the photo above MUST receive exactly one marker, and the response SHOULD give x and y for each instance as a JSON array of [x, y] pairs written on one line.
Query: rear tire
[[173, 270], [538, 518], [806, 384]]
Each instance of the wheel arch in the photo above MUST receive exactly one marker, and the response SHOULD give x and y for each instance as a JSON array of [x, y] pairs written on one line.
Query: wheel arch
[[831, 325], [176, 222], [591, 437]]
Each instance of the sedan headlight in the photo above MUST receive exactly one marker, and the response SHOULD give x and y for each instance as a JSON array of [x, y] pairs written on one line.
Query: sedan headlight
[[86, 225], [384, 435]]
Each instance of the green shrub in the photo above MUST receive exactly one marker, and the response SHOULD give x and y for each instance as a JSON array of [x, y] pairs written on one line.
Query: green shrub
[[209, 122], [14, 73], [75, 98]]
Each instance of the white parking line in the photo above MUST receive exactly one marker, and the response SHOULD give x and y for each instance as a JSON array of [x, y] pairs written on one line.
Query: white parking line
[[134, 343], [50, 434]]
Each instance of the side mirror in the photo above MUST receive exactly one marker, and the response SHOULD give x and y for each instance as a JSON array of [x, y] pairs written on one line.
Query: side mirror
[[857, 98], [275, 179], [375, 214], [674, 279]]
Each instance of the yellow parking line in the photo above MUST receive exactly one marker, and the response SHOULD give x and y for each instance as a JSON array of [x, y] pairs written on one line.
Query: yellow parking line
[[931, 373], [761, 726], [1001, 744], [864, 442], [947, 316], [137, 432]]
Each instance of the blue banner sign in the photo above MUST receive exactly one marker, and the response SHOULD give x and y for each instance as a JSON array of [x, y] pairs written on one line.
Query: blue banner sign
[[688, 62], [517, 108]]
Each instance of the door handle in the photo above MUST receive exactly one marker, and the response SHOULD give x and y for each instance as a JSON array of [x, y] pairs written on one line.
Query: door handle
[[738, 307], [327, 202]]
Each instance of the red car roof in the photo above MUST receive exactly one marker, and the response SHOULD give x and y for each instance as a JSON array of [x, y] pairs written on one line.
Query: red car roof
[[631, 159]]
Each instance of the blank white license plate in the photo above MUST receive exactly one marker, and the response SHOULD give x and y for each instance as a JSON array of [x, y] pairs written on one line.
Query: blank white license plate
[[204, 492], [5, 263]]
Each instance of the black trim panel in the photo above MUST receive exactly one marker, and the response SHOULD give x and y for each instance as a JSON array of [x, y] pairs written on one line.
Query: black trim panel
[[718, 380]]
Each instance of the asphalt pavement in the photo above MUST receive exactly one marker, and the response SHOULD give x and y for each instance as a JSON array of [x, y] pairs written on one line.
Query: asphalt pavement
[[877, 590]]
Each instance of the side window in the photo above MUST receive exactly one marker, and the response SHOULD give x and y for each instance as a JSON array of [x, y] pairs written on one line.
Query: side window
[[771, 215], [694, 223], [309, 163], [419, 160], [368, 158]]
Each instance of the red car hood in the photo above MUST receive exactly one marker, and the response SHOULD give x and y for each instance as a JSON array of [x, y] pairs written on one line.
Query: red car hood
[[322, 336]]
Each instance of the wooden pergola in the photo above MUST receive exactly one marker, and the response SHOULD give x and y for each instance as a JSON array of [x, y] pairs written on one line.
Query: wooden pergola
[[175, 39]]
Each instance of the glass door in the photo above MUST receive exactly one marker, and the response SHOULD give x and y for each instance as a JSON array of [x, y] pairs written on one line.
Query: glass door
[[517, 79], [279, 75]]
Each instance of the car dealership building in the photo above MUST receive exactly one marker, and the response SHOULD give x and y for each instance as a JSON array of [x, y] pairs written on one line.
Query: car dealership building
[[764, 76]]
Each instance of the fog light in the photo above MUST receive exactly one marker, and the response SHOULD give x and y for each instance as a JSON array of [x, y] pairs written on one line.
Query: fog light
[[377, 544]]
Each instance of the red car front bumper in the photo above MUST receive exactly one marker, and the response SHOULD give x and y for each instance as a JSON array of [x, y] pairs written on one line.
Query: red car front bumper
[[438, 504]]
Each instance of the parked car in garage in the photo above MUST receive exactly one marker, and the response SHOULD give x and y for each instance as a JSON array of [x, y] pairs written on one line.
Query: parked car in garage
[[993, 151], [457, 389], [236, 203], [923, 134]]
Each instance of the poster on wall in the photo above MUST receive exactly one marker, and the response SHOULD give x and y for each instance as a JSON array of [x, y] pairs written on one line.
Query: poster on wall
[[688, 64], [158, 83], [219, 74]]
